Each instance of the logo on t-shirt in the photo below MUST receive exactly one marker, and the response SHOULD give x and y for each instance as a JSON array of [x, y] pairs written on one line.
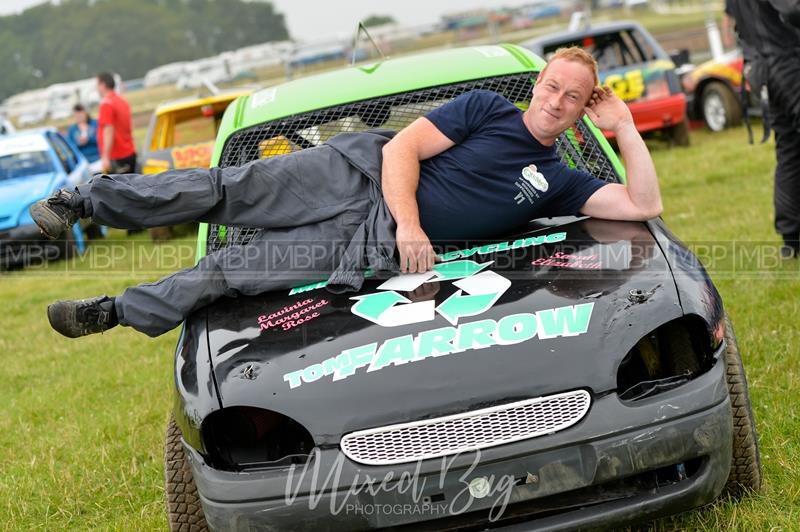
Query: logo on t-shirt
[[535, 178], [530, 185]]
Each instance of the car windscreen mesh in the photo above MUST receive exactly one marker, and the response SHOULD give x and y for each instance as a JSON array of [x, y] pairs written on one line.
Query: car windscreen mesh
[[577, 148]]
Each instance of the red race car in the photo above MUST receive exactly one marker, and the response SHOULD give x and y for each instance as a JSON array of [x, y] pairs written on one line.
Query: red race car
[[635, 66]]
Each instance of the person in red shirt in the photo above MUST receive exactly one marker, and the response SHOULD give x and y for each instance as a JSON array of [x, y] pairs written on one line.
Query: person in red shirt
[[115, 137]]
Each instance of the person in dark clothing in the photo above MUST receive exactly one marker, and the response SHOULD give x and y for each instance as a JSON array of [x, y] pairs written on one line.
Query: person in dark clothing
[[771, 29], [477, 154]]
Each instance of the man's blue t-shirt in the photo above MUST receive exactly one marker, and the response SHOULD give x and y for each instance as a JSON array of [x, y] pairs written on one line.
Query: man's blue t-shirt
[[497, 176]]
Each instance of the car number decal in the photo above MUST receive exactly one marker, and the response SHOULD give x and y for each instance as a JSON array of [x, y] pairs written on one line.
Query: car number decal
[[628, 85], [263, 97]]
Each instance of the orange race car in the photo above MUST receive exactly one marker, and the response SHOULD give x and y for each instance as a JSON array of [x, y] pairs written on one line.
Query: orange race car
[[713, 92]]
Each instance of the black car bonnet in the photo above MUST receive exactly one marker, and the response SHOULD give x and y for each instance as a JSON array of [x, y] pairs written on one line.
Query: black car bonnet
[[547, 311]]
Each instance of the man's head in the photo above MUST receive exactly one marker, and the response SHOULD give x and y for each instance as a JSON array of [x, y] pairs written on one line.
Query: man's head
[[562, 90], [105, 83]]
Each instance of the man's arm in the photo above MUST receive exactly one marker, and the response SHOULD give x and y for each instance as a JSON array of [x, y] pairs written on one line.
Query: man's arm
[[400, 177], [108, 139], [641, 198], [728, 31]]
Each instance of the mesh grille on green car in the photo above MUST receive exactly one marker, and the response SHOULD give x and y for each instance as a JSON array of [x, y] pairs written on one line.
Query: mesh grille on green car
[[578, 147]]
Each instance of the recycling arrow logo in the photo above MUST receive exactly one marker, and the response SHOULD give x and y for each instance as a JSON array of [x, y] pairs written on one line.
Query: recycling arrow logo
[[382, 308], [478, 291], [482, 291]]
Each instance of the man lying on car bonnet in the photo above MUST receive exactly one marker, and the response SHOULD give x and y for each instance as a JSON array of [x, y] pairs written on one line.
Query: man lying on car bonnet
[[474, 168]]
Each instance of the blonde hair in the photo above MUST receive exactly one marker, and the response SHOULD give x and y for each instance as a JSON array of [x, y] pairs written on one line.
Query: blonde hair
[[577, 55]]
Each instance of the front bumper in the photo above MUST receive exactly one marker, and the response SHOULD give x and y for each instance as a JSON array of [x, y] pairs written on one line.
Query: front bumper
[[591, 475]]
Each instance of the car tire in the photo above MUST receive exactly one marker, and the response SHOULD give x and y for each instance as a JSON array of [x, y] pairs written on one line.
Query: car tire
[[679, 134], [719, 107], [745, 474], [184, 511]]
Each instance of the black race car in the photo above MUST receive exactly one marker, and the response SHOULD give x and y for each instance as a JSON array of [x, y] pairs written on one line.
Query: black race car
[[582, 373]]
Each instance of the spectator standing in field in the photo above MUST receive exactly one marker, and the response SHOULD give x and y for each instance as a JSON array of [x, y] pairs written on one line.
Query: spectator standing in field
[[115, 136], [83, 134], [770, 29]]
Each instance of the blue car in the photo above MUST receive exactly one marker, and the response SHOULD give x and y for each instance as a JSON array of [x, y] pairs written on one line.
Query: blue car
[[34, 164]]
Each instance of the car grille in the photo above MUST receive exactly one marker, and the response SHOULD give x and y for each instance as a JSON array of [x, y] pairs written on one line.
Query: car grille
[[578, 147], [478, 429]]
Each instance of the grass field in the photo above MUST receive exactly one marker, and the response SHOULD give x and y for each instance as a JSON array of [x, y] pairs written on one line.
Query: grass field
[[82, 421]]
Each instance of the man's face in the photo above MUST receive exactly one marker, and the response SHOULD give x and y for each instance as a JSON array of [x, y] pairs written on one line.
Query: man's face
[[559, 98], [101, 88]]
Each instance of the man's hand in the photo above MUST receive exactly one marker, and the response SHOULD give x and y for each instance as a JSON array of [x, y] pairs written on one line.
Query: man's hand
[[106, 164], [416, 252], [607, 110], [640, 199]]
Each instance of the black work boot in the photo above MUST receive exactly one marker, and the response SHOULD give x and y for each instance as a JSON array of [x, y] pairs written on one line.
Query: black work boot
[[82, 317], [791, 246], [57, 213]]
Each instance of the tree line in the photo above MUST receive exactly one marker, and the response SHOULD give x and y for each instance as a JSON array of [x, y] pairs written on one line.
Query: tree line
[[76, 39]]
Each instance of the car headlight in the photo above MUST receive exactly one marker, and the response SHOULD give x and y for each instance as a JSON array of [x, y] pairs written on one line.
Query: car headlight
[[244, 438], [667, 357]]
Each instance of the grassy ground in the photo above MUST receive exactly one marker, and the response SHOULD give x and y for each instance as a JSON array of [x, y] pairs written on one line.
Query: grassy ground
[[82, 422], [718, 198]]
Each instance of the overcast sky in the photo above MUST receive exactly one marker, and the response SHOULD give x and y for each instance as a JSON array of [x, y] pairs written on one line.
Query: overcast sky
[[313, 19]]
